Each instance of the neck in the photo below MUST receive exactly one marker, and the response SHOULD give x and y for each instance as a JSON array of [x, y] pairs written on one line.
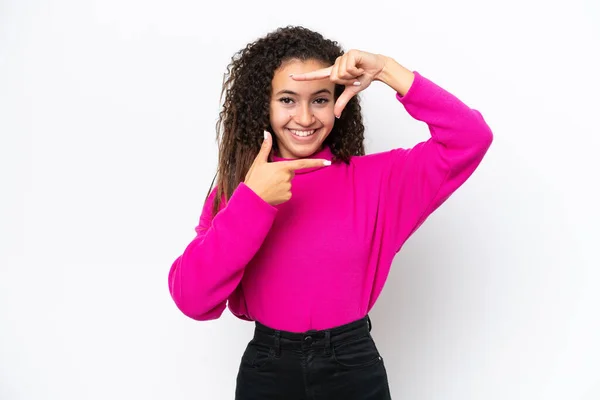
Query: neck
[[324, 152]]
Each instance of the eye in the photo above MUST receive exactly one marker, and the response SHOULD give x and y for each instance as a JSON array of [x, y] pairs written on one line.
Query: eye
[[286, 100], [322, 100]]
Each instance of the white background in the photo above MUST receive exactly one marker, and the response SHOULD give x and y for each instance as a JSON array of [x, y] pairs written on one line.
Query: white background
[[107, 114]]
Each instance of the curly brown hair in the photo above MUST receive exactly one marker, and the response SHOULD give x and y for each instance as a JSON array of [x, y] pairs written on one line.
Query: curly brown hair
[[245, 112]]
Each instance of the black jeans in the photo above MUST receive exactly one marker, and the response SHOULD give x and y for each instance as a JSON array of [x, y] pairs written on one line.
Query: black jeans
[[339, 363]]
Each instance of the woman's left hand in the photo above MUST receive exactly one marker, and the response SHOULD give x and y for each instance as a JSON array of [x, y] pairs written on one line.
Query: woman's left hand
[[355, 69]]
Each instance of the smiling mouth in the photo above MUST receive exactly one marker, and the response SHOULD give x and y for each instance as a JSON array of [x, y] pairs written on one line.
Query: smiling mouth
[[302, 133]]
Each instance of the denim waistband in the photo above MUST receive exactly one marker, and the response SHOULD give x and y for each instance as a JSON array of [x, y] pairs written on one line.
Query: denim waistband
[[312, 338]]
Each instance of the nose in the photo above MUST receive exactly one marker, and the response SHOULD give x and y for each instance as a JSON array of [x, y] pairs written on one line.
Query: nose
[[305, 116]]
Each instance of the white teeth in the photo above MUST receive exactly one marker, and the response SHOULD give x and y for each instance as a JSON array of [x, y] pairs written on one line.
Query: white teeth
[[302, 133]]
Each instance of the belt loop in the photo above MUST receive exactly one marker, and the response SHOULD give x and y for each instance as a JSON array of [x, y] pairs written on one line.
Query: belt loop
[[369, 322], [327, 342], [277, 343]]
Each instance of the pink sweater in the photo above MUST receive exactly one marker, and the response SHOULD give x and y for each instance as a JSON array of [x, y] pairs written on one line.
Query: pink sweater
[[321, 259]]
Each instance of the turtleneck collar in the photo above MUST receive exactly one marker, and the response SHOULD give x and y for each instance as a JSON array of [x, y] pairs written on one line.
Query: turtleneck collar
[[324, 153]]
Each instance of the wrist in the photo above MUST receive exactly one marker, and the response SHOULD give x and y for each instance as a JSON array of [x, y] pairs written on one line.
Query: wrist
[[396, 76], [384, 73]]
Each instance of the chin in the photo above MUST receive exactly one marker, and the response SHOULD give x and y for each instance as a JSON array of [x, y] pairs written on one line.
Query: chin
[[304, 151], [296, 148]]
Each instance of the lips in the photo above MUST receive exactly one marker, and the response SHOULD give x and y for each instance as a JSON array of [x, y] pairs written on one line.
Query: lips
[[302, 133]]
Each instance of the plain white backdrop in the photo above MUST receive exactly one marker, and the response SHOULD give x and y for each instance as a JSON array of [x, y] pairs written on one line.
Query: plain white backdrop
[[107, 122]]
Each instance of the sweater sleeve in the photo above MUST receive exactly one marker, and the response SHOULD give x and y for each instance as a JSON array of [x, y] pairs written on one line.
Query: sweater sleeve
[[210, 270], [418, 180]]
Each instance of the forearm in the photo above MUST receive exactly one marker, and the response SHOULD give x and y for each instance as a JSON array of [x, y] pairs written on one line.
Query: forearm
[[212, 265]]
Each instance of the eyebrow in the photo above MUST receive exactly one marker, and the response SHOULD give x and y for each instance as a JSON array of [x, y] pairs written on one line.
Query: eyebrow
[[296, 94]]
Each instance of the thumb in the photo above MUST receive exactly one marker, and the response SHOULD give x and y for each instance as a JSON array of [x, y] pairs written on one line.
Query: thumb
[[265, 149], [344, 98]]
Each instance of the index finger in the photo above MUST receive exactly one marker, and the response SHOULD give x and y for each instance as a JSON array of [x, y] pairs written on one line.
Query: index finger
[[305, 163], [309, 76]]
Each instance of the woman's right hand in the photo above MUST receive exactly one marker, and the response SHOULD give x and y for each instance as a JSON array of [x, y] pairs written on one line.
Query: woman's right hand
[[273, 181]]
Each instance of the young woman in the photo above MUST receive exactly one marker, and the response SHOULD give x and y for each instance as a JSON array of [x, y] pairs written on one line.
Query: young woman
[[301, 229]]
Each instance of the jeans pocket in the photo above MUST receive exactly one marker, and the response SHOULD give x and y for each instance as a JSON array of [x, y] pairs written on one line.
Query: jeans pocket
[[356, 353], [257, 355]]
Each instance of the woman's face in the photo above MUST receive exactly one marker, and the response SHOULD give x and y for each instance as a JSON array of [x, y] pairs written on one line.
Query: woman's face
[[301, 113]]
